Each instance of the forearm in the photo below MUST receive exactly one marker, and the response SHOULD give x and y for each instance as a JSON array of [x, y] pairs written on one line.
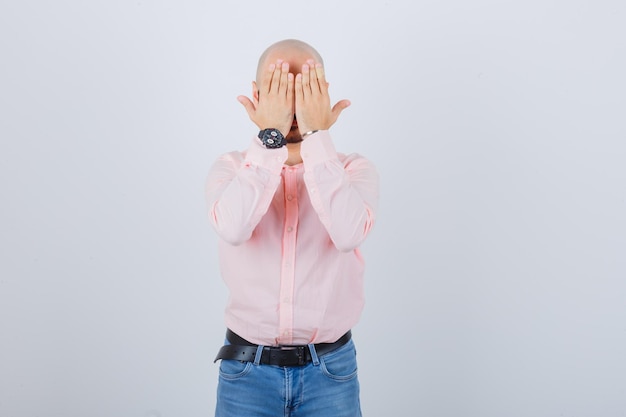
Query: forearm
[[240, 189], [343, 193]]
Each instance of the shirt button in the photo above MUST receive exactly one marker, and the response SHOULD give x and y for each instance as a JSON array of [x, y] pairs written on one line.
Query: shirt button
[[290, 229], [289, 197]]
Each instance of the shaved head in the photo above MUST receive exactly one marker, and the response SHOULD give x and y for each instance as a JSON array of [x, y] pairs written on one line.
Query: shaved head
[[296, 54], [285, 49]]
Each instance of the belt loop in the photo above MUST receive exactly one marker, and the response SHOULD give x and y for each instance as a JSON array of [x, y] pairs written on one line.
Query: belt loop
[[314, 358], [258, 354]]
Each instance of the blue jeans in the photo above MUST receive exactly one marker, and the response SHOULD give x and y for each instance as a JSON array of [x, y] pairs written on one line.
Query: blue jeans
[[326, 387]]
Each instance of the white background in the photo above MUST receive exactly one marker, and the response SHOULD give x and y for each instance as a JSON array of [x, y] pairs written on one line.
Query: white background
[[496, 271]]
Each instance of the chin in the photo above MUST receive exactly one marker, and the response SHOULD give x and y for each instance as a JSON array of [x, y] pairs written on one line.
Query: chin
[[293, 139], [294, 135]]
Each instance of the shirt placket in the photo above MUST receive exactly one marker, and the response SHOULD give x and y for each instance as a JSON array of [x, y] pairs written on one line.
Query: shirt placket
[[287, 279]]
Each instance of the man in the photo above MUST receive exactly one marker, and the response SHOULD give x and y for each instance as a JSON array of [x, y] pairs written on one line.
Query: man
[[291, 213]]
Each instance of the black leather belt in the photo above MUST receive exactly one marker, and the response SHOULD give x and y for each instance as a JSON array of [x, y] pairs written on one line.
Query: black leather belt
[[242, 350]]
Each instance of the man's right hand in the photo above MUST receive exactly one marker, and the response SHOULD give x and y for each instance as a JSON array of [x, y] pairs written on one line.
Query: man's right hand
[[273, 108]]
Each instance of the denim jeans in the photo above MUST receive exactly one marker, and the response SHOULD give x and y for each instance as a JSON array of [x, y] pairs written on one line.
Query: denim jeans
[[326, 387]]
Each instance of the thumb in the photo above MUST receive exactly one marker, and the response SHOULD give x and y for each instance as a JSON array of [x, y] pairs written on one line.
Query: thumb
[[247, 104], [339, 107]]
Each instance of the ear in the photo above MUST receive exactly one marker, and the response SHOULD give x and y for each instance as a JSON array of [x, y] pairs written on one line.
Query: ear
[[255, 93]]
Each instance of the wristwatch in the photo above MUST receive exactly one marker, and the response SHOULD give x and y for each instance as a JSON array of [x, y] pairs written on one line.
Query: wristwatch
[[272, 138]]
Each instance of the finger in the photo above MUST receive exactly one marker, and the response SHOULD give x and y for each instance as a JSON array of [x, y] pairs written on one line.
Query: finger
[[267, 79], [290, 88], [276, 76], [284, 75], [315, 87], [247, 104], [306, 86], [321, 77], [298, 91]]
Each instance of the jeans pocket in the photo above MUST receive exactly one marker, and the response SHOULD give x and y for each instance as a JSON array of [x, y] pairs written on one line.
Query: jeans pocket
[[233, 369], [340, 364]]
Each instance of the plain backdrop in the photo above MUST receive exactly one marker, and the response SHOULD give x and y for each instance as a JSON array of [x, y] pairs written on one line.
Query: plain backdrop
[[496, 272]]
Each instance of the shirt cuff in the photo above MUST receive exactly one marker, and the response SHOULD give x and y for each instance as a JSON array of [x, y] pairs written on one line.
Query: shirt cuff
[[318, 148], [270, 159]]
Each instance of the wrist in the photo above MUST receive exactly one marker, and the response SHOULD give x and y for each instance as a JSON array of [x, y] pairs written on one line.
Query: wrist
[[281, 129], [309, 132]]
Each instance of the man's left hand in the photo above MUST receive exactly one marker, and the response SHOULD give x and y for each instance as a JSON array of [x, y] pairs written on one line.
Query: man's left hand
[[313, 111]]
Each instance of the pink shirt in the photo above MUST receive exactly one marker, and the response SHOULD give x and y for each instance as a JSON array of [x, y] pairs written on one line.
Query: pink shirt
[[289, 238]]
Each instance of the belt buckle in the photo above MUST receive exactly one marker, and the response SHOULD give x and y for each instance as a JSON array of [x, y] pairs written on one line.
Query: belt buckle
[[299, 352]]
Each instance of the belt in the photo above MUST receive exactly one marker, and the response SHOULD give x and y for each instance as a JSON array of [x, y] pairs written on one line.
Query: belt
[[242, 350]]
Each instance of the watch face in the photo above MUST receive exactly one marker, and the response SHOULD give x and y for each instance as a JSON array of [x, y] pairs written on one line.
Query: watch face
[[272, 138]]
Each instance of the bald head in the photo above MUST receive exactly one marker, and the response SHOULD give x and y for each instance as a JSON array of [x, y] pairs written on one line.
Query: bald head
[[290, 50]]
